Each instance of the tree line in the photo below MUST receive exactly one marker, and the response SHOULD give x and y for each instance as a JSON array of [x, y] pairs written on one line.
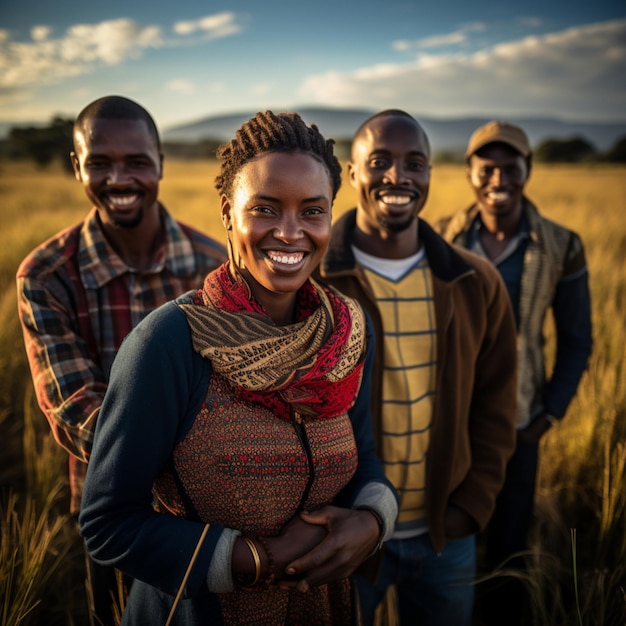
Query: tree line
[[52, 143]]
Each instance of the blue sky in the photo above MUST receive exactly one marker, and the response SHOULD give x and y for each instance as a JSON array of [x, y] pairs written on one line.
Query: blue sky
[[185, 60]]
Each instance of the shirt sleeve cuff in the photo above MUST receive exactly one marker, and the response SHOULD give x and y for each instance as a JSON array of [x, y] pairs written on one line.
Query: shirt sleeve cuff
[[379, 498], [219, 577]]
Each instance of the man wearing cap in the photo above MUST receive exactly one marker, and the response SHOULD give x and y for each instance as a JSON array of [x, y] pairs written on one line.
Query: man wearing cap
[[543, 266]]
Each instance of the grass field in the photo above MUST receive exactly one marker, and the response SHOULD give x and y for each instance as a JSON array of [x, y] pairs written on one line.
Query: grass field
[[578, 557]]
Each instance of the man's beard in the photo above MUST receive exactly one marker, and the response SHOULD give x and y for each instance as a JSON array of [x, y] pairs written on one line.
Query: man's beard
[[395, 227], [128, 224]]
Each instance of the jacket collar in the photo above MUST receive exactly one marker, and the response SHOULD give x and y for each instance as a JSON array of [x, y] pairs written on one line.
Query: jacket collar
[[461, 222], [445, 263]]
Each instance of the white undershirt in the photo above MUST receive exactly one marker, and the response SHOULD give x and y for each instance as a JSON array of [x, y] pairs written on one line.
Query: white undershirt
[[393, 269]]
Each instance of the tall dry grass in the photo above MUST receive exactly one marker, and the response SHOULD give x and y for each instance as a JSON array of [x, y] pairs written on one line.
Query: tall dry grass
[[577, 564]]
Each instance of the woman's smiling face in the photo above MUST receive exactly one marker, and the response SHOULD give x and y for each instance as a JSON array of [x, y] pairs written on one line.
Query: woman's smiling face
[[279, 221]]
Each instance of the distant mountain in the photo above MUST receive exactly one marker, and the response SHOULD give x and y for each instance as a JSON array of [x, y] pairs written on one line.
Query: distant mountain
[[336, 123], [445, 134]]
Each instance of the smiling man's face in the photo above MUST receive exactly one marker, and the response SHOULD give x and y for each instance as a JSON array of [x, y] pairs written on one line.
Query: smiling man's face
[[498, 174], [120, 167], [390, 170]]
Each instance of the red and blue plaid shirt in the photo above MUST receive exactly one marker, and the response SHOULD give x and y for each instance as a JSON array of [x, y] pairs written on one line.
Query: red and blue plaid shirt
[[77, 300]]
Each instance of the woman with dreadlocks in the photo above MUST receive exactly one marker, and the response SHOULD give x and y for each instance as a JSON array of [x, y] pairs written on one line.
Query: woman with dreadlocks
[[233, 472]]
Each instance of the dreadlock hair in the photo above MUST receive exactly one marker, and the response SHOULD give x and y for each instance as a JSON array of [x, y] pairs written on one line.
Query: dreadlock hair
[[114, 108], [268, 132]]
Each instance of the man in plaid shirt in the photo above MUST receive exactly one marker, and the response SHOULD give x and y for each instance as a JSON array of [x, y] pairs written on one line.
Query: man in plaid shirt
[[82, 291]]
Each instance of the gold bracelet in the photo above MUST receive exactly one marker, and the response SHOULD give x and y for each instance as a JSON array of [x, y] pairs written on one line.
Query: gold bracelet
[[256, 557]]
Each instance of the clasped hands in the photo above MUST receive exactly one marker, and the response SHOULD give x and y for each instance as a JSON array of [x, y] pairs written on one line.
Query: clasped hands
[[322, 546]]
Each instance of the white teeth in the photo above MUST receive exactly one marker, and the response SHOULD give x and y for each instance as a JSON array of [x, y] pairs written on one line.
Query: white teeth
[[498, 196], [122, 201], [396, 200], [287, 259]]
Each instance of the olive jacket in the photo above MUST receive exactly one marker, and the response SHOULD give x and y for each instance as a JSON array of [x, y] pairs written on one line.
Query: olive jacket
[[554, 277]]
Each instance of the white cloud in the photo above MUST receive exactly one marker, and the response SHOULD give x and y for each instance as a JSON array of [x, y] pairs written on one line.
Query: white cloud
[[219, 25], [110, 42], [40, 33], [181, 85], [476, 27], [442, 40], [577, 72], [530, 22], [435, 41], [84, 48], [261, 89]]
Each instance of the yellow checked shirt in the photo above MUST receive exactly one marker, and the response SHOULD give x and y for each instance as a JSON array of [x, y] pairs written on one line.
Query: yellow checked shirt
[[407, 310]]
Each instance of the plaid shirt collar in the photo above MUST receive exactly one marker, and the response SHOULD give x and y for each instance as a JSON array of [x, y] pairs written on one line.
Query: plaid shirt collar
[[100, 264]]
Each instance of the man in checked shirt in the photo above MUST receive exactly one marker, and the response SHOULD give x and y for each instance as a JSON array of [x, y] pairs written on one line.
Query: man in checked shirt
[[83, 290]]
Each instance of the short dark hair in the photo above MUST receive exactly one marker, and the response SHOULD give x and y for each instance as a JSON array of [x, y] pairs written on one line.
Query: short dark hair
[[268, 132], [114, 108], [389, 113]]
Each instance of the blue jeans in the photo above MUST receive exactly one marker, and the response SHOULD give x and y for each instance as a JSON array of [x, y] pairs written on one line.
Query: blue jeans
[[433, 589]]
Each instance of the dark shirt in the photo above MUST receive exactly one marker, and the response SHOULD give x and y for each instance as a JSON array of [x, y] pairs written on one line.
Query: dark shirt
[[510, 263]]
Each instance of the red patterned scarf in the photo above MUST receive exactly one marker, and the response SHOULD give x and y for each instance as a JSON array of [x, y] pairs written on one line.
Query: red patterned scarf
[[312, 367]]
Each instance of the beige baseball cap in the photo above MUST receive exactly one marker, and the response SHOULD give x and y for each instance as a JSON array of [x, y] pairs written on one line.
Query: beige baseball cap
[[502, 132]]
